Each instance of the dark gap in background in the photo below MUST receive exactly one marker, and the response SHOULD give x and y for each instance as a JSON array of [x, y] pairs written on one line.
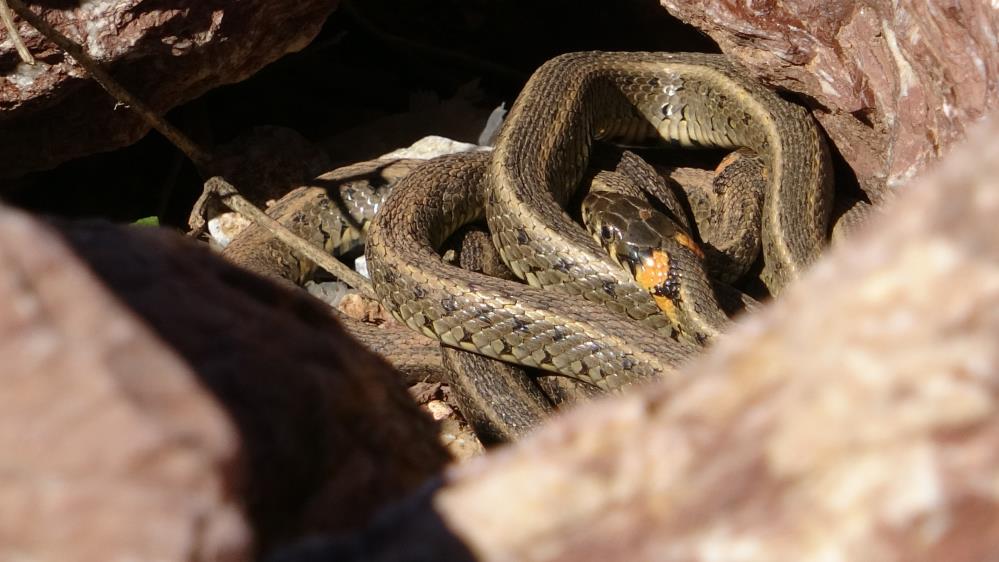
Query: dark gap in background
[[371, 60]]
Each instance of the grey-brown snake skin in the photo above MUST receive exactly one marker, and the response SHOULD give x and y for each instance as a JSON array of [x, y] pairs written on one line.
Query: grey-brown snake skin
[[614, 334]]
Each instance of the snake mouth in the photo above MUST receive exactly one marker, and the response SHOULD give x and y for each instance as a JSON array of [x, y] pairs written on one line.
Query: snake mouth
[[631, 257]]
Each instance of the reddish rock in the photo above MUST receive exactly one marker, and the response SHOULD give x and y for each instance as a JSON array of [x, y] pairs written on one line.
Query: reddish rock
[[165, 52], [892, 83], [111, 448], [160, 404]]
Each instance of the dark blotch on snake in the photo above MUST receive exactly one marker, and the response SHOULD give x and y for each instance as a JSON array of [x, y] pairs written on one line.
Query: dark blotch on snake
[[608, 287], [449, 304]]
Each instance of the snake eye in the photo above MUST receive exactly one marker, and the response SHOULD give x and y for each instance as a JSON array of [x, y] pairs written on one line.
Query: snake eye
[[606, 233]]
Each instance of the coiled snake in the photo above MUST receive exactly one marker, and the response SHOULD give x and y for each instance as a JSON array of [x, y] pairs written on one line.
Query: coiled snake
[[610, 332], [540, 156]]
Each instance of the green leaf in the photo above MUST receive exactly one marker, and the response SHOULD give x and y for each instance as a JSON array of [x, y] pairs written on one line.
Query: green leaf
[[147, 221]]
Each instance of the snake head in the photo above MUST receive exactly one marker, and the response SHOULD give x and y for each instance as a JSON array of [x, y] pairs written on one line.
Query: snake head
[[631, 231]]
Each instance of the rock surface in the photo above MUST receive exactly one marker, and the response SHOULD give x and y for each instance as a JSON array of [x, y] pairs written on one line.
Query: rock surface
[[111, 449], [165, 52], [160, 404], [856, 426], [893, 83]]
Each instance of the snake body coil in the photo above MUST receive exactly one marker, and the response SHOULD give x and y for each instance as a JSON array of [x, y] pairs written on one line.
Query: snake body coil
[[496, 318], [609, 337]]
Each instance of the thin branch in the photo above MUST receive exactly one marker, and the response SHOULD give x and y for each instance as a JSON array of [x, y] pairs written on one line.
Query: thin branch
[[232, 199], [15, 37]]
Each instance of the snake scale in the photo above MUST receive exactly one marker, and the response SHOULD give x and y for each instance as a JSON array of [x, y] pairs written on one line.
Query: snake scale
[[609, 337]]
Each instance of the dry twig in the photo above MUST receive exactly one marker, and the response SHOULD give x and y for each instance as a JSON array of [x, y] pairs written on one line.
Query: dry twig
[[232, 199], [15, 37]]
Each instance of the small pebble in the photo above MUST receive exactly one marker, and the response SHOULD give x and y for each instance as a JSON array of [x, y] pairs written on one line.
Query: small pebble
[[439, 410], [225, 227]]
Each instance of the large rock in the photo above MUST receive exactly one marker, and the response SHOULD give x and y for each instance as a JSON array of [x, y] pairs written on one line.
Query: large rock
[[165, 52], [893, 83], [854, 419], [160, 404], [111, 450]]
